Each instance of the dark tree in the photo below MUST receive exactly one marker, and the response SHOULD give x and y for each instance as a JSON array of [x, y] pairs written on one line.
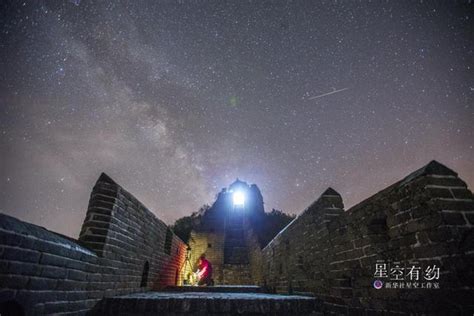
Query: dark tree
[[183, 226], [265, 225], [272, 223]]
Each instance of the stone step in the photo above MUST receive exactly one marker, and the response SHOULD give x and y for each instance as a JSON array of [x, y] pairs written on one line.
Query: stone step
[[207, 303], [216, 289], [236, 255], [236, 274], [235, 223], [235, 233], [230, 243]]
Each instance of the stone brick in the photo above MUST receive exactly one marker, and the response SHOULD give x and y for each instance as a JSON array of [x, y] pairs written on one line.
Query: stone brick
[[76, 275], [11, 281], [453, 218], [53, 260], [455, 205], [15, 240], [420, 211], [399, 218], [41, 283], [441, 234], [22, 268], [53, 272], [440, 192], [435, 250], [42, 296], [60, 307], [446, 182], [470, 218], [19, 254], [403, 241], [419, 224], [7, 294], [463, 193]]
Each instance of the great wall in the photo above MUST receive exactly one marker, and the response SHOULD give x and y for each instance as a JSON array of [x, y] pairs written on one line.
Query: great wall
[[128, 262]]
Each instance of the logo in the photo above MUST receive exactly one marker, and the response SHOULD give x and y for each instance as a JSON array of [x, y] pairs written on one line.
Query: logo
[[378, 284], [405, 275]]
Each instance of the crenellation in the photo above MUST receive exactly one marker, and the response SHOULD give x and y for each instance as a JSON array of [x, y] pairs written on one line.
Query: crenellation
[[414, 227], [63, 267], [326, 251]]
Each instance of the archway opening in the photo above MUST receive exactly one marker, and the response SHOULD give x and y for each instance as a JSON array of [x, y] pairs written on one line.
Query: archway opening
[[146, 268]]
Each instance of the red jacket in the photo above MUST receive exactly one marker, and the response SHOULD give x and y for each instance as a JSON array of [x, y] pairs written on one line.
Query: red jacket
[[205, 269]]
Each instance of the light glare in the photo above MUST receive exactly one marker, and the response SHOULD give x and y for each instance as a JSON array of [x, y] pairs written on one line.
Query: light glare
[[239, 198]]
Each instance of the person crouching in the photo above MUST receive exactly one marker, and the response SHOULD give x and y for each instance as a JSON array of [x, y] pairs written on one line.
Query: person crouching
[[204, 272]]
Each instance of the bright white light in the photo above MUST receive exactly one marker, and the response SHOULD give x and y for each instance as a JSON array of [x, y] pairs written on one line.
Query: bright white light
[[239, 198]]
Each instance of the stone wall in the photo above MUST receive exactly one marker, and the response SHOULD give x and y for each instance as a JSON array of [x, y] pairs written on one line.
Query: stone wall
[[123, 230], [46, 273], [211, 244], [225, 235], [423, 220], [123, 248]]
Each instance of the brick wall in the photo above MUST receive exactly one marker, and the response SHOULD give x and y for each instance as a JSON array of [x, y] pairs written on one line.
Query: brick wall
[[124, 231], [43, 272], [211, 244], [425, 219], [226, 237]]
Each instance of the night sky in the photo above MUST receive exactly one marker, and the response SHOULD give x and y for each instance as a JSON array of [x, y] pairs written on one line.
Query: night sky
[[176, 99]]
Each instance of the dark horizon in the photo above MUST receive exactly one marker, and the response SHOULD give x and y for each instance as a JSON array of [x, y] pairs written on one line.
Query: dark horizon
[[174, 100]]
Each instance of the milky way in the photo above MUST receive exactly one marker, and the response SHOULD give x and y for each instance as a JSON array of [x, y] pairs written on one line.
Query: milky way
[[174, 100]]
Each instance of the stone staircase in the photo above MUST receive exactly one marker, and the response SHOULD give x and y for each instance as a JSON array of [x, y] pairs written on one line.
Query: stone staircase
[[216, 288], [235, 247], [236, 272], [213, 301]]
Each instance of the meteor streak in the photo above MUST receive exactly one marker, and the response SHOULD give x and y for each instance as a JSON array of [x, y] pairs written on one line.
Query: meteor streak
[[328, 93]]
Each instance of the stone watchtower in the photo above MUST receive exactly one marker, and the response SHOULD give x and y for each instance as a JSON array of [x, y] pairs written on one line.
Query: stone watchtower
[[226, 234]]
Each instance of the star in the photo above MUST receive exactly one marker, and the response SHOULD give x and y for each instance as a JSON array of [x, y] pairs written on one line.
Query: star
[[175, 101]]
